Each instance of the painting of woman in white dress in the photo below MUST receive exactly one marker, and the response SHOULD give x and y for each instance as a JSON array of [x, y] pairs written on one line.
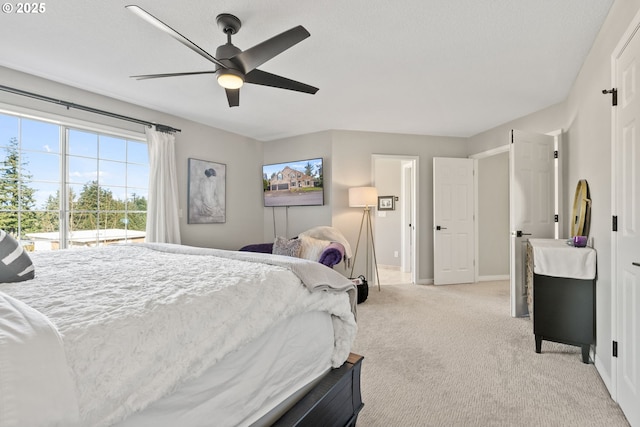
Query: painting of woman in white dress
[[206, 192]]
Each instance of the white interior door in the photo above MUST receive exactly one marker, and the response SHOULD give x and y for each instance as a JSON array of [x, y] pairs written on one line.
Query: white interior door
[[627, 239], [531, 204], [453, 222]]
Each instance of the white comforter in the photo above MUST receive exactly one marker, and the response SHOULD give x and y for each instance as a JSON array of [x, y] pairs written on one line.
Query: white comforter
[[137, 320]]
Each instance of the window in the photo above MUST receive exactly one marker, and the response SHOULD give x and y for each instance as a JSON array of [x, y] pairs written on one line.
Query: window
[[63, 187]]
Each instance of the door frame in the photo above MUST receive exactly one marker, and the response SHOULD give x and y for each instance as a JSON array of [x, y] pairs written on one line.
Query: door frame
[[407, 239], [415, 196], [559, 203], [476, 208]]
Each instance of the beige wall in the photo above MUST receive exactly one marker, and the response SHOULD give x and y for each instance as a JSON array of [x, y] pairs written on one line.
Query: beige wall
[[493, 216], [585, 117], [293, 220], [352, 167], [589, 157], [242, 157], [388, 232], [348, 163]]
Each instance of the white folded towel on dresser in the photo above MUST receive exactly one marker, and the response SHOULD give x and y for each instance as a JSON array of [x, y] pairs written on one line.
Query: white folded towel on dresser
[[554, 257]]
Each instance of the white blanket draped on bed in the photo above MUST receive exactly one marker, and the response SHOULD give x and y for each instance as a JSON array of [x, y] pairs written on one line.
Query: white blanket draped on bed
[[137, 320], [28, 340]]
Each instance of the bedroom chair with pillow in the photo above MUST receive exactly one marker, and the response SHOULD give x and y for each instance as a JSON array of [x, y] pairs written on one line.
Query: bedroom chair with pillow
[[323, 244]]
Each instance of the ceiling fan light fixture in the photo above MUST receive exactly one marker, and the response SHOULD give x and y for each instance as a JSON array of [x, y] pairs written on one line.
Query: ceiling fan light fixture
[[234, 64], [230, 79]]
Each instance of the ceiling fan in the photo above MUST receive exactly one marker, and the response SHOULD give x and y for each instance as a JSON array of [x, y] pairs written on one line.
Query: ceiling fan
[[234, 67]]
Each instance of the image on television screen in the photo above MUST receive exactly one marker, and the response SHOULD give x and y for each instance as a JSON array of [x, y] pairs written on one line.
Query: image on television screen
[[297, 183]]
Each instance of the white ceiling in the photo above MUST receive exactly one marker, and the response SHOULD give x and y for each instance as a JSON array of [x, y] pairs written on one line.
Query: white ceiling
[[432, 67]]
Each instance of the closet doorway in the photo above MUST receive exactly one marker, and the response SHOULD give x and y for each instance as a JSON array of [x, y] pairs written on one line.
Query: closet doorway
[[395, 229], [492, 214]]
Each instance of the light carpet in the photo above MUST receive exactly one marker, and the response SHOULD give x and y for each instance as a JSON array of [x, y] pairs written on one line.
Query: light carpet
[[453, 356]]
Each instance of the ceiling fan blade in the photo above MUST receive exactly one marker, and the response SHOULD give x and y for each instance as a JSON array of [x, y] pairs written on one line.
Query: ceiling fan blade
[[257, 55], [233, 96], [173, 33], [263, 78], [155, 76]]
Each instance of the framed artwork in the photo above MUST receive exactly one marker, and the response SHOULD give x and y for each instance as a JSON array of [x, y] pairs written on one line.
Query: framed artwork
[[206, 192], [386, 203]]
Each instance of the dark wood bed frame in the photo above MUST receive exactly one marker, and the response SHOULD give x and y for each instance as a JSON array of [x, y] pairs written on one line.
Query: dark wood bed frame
[[334, 402]]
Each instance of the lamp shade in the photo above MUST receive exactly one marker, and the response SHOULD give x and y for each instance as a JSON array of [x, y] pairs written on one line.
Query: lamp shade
[[360, 197]]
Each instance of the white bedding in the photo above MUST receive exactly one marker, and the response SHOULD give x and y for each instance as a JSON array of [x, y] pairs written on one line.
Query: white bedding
[[292, 354], [28, 339], [135, 331]]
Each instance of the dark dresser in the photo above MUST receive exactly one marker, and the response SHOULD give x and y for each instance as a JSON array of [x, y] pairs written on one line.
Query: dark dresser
[[563, 293]]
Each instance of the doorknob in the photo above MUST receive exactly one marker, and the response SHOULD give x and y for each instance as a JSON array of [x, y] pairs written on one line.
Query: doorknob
[[519, 233], [440, 228]]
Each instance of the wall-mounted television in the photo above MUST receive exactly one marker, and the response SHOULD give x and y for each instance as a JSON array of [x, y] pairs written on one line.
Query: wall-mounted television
[[297, 183]]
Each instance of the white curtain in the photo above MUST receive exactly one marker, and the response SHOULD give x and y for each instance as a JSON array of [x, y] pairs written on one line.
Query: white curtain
[[163, 225]]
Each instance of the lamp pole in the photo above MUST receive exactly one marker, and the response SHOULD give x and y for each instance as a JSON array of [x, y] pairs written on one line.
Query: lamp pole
[[366, 212]]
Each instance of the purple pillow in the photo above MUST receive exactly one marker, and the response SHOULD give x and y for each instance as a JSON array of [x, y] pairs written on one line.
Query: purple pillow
[[264, 248], [332, 254]]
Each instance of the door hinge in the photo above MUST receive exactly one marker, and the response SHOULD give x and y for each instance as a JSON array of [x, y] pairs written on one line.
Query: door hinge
[[614, 223], [615, 349], [555, 154], [556, 218], [614, 97]]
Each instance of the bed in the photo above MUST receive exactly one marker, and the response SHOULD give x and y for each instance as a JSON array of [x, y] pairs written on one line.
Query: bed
[[165, 335]]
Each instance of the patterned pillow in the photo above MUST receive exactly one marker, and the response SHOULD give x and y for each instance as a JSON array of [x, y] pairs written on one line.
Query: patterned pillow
[[15, 264], [284, 246]]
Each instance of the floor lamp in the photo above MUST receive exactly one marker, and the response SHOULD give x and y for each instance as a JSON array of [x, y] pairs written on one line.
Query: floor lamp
[[365, 197]]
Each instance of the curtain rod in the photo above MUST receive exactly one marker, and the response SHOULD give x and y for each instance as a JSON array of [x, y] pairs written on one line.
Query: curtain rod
[[159, 127]]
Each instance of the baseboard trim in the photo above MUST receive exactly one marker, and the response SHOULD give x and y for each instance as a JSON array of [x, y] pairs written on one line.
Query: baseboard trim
[[480, 279], [604, 375], [493, 278]]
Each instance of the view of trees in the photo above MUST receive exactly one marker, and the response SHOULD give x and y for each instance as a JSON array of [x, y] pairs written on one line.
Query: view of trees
[[11, 195], [94, 208], [309, 170]]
